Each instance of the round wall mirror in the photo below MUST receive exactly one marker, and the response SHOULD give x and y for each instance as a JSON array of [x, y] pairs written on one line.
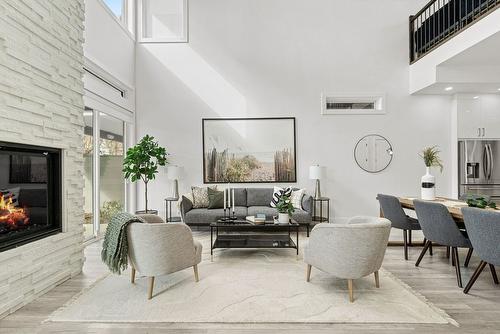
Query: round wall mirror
[[373, 153]]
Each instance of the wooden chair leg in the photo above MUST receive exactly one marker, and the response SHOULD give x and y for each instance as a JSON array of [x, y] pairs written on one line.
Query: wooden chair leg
[[409, 238], [422, 253], [454, 251], [308, 273], [494, 273], [196, 277], [132, 276], [405, 242], [351, 293], [430, 248], [467, 259], [474, 276], [377, 281], [151, 285], [447, 252]]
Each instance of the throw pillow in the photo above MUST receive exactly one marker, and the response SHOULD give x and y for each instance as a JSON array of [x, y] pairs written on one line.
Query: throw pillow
[[215, 199], [296, 198], [277, 193], [200, 197], [11, 192]]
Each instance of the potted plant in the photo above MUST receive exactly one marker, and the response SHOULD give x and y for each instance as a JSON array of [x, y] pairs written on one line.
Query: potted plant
[[430, 155], [285, 209], [142, 160]]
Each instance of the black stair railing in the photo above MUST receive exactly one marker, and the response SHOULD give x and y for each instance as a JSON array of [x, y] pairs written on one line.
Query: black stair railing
[[440, 20]]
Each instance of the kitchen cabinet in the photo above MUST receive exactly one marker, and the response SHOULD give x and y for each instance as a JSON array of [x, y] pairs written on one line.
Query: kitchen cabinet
[[479, 118]]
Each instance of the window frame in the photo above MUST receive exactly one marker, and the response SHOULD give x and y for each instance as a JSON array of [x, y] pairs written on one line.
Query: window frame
[[140, 25], [127, 21]]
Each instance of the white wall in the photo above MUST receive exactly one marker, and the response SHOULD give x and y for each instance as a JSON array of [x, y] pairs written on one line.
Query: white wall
[[107, 44], [260, 58]]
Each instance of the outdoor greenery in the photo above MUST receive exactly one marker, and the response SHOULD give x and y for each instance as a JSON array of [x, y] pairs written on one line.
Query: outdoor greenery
[[285, 205], [108, 210], [431, 157], [142, 161]]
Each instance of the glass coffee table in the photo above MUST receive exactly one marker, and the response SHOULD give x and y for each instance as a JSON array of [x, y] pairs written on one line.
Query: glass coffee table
[[244, 234]]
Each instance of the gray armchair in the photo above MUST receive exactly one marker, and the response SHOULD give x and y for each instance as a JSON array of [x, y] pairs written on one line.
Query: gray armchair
[[349, 250], [160, 249]]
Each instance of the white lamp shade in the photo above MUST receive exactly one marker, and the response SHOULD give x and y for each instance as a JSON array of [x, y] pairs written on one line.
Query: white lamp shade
[[315, 172], [174, 172]]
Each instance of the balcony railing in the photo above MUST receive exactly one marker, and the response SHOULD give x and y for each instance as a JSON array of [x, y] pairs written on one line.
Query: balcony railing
[[440, 20]]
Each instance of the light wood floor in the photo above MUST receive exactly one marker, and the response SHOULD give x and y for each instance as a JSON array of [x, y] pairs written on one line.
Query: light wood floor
[[478, 312]]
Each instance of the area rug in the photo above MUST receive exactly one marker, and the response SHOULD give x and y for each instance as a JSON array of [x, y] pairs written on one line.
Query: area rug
[[249, 286]]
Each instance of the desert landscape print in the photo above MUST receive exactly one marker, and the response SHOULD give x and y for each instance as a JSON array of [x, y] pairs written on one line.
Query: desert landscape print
[[249, 150]]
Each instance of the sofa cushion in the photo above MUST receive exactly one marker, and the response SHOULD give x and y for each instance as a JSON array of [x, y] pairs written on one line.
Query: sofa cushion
[[215, 199], [277, 193], [259, 196], [207, 216], [240, 197], [200, 196]]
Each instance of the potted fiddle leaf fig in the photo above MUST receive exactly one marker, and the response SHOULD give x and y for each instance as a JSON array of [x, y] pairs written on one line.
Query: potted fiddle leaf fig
[[142, 161], [285, 209]]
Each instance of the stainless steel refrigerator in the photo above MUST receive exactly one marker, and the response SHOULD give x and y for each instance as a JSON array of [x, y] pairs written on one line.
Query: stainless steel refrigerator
[[479, 168]]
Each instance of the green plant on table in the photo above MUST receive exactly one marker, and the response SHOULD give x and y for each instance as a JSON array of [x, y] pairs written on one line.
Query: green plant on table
[[480, 202], [431, 157], [142, 160], [285, 205]]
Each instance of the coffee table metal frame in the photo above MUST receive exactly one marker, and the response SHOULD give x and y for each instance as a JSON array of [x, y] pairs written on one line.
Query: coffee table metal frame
[[270, 235]]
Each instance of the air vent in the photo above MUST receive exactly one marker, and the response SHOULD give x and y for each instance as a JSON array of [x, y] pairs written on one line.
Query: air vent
[[364, 104]]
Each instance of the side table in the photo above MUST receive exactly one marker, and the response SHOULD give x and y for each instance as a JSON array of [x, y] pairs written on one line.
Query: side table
[[319, 202], [168, 210]]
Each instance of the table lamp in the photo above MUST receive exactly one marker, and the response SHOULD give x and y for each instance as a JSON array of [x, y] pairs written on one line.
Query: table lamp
[[174, 173], [315, 173]]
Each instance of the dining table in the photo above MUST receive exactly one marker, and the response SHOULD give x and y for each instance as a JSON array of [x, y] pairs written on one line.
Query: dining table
[[454, 206]]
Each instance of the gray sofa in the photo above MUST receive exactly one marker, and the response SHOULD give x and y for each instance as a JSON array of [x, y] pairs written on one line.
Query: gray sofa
[[248, 202]]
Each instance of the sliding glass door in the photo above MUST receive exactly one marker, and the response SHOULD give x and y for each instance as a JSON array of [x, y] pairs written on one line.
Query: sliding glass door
[[111, 181], [88, 172], [104, 192]]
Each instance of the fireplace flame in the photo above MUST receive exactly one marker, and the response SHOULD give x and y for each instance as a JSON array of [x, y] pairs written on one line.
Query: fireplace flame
[[10, 214]]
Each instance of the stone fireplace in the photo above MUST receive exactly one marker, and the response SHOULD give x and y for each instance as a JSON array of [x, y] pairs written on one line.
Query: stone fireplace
[[30, 193], [41, 103]]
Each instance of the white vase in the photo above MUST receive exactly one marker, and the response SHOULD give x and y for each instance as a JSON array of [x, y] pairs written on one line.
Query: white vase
[[283, 218], [428, 185]]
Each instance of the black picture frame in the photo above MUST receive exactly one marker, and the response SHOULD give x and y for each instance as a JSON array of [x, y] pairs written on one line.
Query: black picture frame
[[293, 179]]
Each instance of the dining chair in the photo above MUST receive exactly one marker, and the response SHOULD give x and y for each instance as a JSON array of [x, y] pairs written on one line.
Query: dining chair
[[391, 209], [439, 227], [483, 227]]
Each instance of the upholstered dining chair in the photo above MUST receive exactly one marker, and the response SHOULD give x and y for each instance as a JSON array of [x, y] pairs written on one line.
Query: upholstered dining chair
[[483, 227], [349, 250], [161, 249], [392, 210], [439, 227]]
